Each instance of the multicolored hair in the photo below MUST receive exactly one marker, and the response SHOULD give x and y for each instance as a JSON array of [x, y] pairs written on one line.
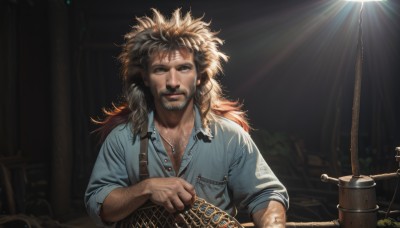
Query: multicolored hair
[[160, 35]]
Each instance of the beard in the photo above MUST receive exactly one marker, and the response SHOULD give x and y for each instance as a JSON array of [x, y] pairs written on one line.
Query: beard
[[177, 105]]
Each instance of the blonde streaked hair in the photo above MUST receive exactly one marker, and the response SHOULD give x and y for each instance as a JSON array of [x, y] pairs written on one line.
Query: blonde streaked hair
[[162, 35]]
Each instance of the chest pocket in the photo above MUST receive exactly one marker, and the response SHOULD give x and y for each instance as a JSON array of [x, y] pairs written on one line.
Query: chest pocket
[[213, 191]]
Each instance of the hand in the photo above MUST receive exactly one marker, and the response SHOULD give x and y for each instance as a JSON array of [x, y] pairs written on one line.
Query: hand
[[173, 193]]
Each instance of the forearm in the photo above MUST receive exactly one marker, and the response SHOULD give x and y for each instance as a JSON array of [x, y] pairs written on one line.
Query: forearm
[[172, 193], [273, 216], [123, 201]]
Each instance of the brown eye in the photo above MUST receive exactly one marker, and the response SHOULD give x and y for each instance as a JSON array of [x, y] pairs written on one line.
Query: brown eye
[[159, 70], [185, 68]]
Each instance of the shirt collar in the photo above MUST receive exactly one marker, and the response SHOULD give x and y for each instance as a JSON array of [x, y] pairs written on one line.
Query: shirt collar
[[151, 125], [198, 126]]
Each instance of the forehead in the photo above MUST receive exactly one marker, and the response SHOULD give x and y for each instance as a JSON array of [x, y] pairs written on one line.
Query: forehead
[[165, 57]]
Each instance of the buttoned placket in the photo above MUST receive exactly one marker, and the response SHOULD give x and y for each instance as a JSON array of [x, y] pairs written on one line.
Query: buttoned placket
[[162, 153], [189, 150], [163, 156], [187, 156]]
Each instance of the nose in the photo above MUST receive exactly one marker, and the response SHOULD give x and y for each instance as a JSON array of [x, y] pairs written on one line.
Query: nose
[[173, 80]]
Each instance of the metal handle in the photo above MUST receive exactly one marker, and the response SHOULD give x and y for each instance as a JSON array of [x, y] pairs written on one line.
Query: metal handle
[[326, 178]]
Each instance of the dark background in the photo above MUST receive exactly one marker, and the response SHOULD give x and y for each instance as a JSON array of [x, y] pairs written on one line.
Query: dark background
[[291, 64]]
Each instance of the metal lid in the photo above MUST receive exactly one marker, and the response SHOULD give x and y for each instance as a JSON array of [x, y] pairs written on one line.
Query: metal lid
[[356, 182]]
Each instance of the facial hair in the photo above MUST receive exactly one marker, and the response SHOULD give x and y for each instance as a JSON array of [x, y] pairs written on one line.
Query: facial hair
[[181, 106]]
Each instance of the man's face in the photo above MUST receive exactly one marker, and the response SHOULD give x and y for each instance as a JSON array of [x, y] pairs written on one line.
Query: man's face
[[172, 79]]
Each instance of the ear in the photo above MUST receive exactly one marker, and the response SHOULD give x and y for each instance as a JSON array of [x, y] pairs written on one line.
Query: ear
[[198, 80]]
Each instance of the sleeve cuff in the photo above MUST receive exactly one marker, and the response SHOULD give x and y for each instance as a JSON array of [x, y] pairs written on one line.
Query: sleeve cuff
[[97, 203], [263, 204]]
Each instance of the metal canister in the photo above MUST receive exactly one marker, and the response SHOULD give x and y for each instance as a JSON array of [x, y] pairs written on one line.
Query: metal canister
[[357, 202]]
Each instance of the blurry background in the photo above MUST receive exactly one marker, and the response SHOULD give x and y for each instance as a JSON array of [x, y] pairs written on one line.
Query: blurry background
[[291, 63]]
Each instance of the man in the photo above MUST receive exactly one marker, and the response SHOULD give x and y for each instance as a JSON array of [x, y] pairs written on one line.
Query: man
[[198, 143]]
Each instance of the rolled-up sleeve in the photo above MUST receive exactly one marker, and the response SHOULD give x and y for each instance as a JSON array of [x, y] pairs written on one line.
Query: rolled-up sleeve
[[109, 173], [251, 179]]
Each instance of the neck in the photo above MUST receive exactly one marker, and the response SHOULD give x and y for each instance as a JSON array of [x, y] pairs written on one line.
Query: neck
[[175, 119]]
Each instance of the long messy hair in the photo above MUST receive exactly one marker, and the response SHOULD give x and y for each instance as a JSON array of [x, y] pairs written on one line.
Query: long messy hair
[[161, 35]]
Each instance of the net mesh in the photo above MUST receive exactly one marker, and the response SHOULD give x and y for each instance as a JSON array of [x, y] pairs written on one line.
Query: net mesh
[[199, 214]]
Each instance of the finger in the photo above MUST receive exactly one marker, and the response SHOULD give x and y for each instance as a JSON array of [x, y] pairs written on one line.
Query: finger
[[186, 197], [188, 187], [191, 190], [178, 204], [169, 207], [193, 199]]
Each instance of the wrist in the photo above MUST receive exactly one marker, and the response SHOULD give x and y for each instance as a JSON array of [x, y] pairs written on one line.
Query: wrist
[[145, 188]]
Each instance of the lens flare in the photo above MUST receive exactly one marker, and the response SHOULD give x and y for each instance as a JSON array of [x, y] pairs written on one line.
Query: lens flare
[[364, 0]]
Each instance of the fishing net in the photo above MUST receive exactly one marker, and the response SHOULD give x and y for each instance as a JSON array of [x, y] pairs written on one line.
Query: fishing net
[[199, 214]]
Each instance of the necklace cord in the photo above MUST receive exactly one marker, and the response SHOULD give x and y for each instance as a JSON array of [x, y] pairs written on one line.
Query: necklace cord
[[168, 142]]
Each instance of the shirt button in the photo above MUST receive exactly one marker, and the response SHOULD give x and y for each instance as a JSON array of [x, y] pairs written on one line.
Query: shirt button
[[169, 169], [165, 160]]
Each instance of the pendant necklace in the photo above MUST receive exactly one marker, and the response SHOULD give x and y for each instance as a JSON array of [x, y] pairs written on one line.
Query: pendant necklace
[[170, 144]]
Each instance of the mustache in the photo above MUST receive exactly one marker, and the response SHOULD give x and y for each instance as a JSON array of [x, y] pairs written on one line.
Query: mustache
[[172, 92]]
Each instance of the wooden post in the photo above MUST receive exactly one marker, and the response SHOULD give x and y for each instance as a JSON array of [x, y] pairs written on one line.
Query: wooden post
[[356, 102], [61, 108]]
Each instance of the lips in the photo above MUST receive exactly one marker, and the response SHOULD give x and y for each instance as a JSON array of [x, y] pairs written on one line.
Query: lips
[[172, 95]]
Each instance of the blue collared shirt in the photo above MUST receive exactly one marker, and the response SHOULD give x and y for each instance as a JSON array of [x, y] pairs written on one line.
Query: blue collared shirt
[[223, 164]]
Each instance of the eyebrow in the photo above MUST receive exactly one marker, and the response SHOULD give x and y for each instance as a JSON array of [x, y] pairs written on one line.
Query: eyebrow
[[158, 65], [166, 65]]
